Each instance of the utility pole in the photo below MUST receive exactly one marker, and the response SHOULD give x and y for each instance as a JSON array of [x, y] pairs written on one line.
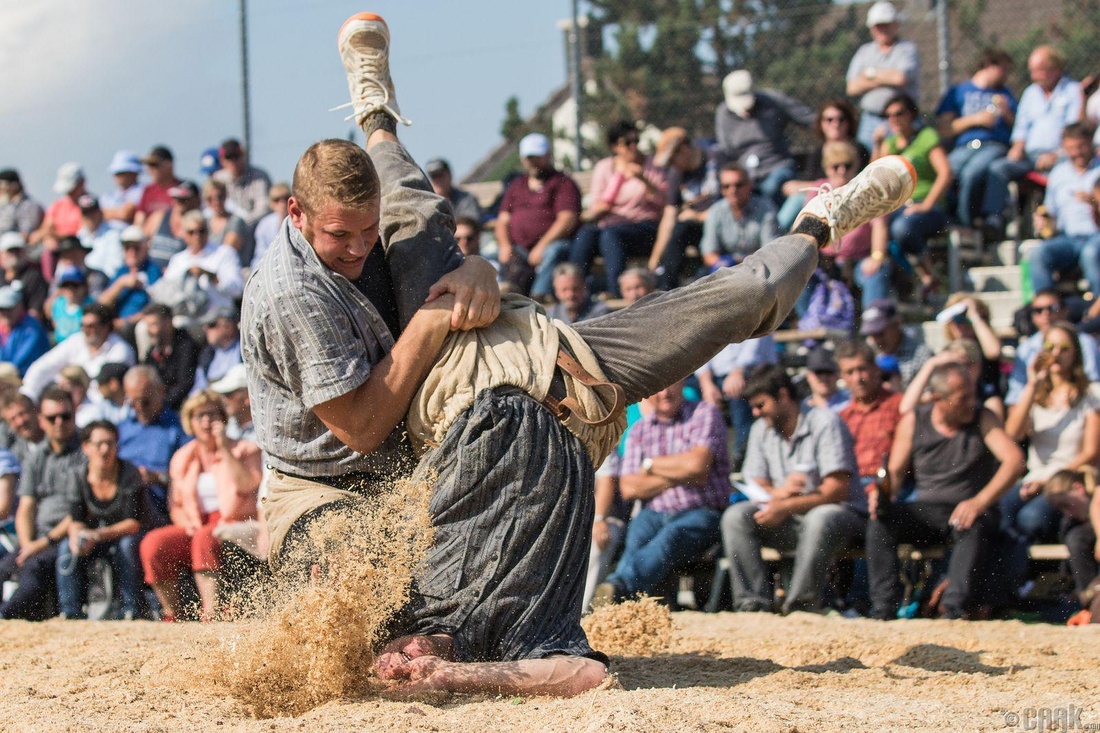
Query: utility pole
[[576, 84], [243, 12]]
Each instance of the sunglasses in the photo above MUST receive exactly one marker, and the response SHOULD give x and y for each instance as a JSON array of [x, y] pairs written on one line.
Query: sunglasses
[[58, 417], [1052, 346], [629, 141], [897, 113], [737, 184], [841, 166], [1037, 309], [190, 232]]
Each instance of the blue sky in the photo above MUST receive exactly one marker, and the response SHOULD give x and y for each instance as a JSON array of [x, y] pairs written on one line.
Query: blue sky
[[87, 78]]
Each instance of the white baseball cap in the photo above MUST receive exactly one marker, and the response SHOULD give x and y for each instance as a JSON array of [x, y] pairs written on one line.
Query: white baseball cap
[[881, 13], [737, 87], [535, 144]]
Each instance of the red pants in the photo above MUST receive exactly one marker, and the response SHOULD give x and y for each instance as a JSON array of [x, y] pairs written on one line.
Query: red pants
[[168, 551]]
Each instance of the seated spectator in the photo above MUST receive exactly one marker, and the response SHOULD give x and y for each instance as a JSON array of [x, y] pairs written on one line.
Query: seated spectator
[[204, 269], [74, 380], [462, 201], [9, 482], [574, 303], [912, 226], [636, 283], [121, 205], [962, 462], [883, 329], [104, 520], [164, 229], [978, 115], [21, 418], [19, 212], [224, 226], [1050, 103], [881, 68], [150, 435], [805, 461], [1073, 494], [17, 267], [99, 237], [127, 290], [676, 463], [972, 324], [1057, 412], [872, 415], [537, 219], [71, 256], [233, 389], [96, 344], [47, 488], [267, 228], [822, 374], [23, 338], [967, 354], [863, 253], [1047, 308], [836, 122], [109, 402], [737, 225], [751, 129], [722, 380], [63, 216], [155, 197], [67, 304], [468, 237], [692, 190], [246, 185], [627, 196], [1069, 204], [214, 480], [173, 353]]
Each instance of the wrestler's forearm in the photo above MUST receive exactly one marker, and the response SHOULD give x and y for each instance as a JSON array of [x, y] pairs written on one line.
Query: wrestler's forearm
[[556, 676], [364, 418]]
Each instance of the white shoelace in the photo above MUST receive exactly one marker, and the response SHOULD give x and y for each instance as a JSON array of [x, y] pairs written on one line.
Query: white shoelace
[[364, 106]]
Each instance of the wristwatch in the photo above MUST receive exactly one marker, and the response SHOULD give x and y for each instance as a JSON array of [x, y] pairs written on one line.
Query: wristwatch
[[647, 466]]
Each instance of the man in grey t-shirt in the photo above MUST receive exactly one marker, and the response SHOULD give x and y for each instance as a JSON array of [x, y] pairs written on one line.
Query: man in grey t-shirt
[[880, 69], [47, 489]]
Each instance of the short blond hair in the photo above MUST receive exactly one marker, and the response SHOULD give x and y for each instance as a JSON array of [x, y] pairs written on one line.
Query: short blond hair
[[335, 171], [197, 400]]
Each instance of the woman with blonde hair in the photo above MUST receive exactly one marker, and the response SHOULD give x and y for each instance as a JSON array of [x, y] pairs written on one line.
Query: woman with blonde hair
[[1058, 412], [214, 479]]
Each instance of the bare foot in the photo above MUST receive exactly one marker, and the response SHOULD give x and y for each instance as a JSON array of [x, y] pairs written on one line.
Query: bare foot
[[395, 660]]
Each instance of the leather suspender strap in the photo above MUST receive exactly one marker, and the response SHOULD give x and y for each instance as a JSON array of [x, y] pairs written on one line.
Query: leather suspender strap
[[562, 408]]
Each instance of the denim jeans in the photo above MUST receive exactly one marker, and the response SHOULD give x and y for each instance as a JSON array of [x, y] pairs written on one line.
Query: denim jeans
[[971, 166], [770, 186], [615, 243], [868, 123], [36, 597], [1001, 172], [658, 543], [556, 253], [816, 537], [72, 576], [876, 286], [1062, 254], [912, 231], [1034, 519]]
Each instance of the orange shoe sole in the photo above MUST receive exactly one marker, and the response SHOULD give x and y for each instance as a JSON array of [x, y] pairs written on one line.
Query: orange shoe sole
[[359, 16]]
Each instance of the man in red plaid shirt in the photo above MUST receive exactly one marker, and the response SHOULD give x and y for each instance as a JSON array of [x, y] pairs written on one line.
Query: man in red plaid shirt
[[872, 416]]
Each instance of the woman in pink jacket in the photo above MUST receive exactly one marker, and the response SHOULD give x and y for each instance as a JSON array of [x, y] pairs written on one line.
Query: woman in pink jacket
[[214, 479]]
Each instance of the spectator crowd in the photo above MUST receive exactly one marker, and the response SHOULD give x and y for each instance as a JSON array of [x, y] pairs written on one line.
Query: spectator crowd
[[126, 440]]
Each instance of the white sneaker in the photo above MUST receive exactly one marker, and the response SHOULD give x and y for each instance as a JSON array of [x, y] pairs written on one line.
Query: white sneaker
[[364, 43], [882, 187]]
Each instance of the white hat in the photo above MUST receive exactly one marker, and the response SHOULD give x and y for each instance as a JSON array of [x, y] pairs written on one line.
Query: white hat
[[10, 296], [12, 240], [737, 87], [534, 144], [124, 161], [68, 176], [132, 233], [236, 378], [881, 13]]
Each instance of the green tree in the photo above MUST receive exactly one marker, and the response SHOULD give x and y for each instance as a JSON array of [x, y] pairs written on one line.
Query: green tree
[[513, 126]]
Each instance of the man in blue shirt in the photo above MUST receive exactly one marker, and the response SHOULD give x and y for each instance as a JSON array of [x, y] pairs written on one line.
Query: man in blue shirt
[[1069, 203], [22, 338], [1051, 102], [978, 114], [126, 292], [150, 436]]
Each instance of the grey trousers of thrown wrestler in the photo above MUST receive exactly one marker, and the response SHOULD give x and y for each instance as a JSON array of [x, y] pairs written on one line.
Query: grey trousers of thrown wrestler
[[513, 499]]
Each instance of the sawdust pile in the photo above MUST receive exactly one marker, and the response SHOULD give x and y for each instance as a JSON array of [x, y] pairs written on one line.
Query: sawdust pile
[[641, 628], [314, 643]]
